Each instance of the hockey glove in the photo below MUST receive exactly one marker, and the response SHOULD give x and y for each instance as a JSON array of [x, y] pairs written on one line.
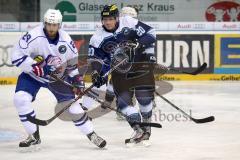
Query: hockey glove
[[151, 58], [52, 66], [78, 83], [43, 71], [130, 34], [98, 80]]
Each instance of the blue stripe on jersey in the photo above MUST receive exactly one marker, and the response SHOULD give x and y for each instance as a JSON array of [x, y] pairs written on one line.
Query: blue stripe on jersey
[[24, 120], [19, 61], [29, 42], [69, 47], [83, 122], [46, 38], [79, 120], [24, 115]]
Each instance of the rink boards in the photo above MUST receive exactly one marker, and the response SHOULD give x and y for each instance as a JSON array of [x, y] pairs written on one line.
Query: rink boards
[[176, 49]]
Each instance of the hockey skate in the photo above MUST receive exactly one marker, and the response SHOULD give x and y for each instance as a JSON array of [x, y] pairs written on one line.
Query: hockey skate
[[31, 143], [119, 117], [155, 109], [95, 139], [136, 138], [147, 133]]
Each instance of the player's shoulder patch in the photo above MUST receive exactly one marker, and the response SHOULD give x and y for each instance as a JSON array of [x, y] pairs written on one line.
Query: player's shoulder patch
[[30, 37], [65, 37]]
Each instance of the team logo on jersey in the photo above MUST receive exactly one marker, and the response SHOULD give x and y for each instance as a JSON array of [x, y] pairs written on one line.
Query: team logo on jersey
[[109, 47], [62, 49]]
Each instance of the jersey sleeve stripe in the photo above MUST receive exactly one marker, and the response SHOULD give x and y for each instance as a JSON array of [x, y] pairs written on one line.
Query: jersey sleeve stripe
[[29, 42], [24, 115], [69, 47], [19, 61]]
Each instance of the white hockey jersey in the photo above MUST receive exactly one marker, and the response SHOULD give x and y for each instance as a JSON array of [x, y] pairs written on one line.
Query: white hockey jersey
[[35, 43]]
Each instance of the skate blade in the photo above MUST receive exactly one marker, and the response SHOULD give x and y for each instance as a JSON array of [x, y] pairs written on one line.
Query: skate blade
[[143, 143], [146, 143], [30, 149], [102, 145], [130, 145]]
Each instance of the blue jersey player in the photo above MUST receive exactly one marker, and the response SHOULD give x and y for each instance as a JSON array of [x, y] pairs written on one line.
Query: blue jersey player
[[116, 33]]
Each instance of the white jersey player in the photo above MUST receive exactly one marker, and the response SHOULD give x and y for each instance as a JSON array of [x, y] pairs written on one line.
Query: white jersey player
[[45, 50]]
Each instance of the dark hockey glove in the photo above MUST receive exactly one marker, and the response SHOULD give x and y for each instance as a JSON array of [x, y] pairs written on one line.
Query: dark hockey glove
[[151, 58], [98, 80], [78, 83], [130, 34]]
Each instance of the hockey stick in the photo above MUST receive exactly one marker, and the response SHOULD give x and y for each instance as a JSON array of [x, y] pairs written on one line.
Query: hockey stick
[[46, 122], [202, 120], [157, 125], [160, 69], [197, 71]]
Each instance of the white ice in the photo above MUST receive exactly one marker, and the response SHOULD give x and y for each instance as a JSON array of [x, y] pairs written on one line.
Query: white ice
[[177, 140]]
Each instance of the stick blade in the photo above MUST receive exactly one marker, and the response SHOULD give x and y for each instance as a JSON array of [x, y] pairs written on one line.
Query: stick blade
[[142, 124], [200, 69], [204, 120], [37, 121]]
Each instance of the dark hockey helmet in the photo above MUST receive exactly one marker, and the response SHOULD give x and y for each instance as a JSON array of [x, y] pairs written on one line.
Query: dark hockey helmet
[[110, 11]]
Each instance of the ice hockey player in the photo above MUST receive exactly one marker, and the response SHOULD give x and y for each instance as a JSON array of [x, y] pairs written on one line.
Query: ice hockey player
[[109, 96], [119, 31], [46, 50]]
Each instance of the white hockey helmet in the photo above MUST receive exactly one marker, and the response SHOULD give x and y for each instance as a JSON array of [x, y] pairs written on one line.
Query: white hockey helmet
[[129, 11], [53, 16]]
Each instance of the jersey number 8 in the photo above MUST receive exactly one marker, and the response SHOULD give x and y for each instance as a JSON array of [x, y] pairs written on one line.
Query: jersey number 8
[[26, 37]]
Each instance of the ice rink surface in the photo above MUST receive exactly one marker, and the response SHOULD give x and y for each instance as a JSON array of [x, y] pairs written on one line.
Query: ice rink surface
[[179, 139]]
